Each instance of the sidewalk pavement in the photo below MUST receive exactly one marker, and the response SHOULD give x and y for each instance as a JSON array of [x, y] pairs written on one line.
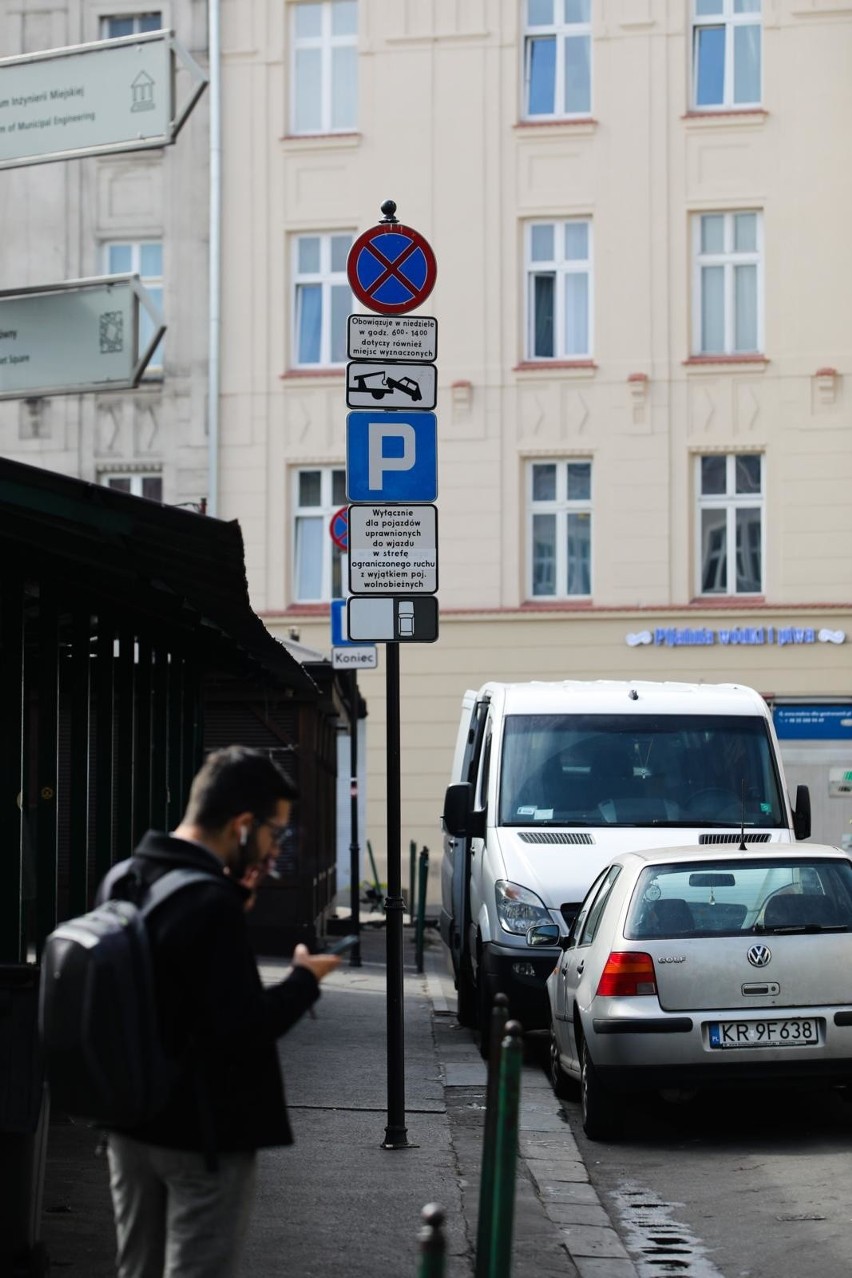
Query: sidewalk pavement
[[336, 1203]]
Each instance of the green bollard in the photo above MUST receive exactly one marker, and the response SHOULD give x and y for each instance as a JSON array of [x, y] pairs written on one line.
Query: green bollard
[[499, 1017], [503, 1203], [421, 906], [433, 1245]]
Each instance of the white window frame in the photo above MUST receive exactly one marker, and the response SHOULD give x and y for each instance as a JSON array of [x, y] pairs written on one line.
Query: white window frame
[[329, 550], [135, 18], [561, 506], [155, 366], [730, 20], [560, 268], [559, 30], [326, 42], [136, 478], [728, 259], [730, 502], [327, 280]]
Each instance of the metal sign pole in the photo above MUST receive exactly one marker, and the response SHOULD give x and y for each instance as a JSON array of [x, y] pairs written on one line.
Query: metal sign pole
[[396, 1134], [354, 850]]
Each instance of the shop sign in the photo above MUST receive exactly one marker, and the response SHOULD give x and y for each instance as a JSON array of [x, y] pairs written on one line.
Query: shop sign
[[732, 636]]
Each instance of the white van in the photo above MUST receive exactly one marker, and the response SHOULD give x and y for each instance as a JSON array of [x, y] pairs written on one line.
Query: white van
[[550, 780]]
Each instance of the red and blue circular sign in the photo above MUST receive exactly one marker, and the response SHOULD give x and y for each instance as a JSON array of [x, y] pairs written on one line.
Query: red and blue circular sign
[[391, 269], [339, 528]]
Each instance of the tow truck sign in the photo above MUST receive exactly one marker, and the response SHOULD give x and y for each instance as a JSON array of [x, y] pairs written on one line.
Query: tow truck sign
[[391, 385]]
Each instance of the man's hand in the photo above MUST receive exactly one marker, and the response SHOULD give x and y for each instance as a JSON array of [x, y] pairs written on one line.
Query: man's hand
[[319, 964]]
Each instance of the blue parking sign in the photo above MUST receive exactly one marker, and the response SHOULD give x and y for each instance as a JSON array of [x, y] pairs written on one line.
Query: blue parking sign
[[391, 456]]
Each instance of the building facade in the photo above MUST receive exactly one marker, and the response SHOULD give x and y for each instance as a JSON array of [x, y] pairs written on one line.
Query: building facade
[[639, 210], [639, 213], [142, 212]]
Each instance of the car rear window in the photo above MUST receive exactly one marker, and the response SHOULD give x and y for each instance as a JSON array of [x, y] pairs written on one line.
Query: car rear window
[[721, 898]]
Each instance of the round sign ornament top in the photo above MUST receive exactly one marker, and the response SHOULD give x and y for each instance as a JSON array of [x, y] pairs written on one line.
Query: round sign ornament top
[[391, 268]]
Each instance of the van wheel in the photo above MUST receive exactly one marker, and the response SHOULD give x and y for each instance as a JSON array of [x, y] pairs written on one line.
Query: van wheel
[[465, 998], [603, 1112]]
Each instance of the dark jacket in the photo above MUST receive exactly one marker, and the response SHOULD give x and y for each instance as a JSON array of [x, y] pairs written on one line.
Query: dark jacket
[[217, 1018]]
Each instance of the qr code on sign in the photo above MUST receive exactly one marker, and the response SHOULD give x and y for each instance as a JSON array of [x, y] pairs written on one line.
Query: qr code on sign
[[111, 332]]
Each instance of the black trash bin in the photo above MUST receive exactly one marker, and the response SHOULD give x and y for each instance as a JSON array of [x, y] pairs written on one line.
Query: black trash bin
[[23, 1124]]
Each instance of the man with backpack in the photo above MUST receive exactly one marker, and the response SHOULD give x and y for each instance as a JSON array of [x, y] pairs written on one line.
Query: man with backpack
[[182, 1180]]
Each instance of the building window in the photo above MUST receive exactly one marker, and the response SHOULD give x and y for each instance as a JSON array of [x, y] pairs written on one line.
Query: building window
[[322, 298], [149, 485], [730, 513], [728, 315], [560, 529], [557, 59], [145, 259], [131, 24], [726, 36], [324, 76], [320, 568], [559, 290]]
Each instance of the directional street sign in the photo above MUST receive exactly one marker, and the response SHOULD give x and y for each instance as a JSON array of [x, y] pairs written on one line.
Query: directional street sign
[[391, 268], [391, 385], [69, 338], [393, 550], [411, 337], [94, 99], [393, 619], [391, 456]]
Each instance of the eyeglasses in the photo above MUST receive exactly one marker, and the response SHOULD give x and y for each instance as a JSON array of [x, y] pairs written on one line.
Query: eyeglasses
[[278, 832]]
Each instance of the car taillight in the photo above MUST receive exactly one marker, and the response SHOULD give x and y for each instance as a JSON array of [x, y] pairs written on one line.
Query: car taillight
[[626, 974]]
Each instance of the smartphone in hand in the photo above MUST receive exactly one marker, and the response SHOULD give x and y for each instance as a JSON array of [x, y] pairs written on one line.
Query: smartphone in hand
[[340, 947]]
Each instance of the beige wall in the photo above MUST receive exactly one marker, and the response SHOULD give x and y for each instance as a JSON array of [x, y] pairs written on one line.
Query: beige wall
[[439, 132]]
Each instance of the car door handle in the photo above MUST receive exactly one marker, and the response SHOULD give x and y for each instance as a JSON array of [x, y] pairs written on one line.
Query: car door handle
[[580, 967]]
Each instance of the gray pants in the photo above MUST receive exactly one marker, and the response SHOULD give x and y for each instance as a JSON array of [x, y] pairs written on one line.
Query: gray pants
[[174, 1218]]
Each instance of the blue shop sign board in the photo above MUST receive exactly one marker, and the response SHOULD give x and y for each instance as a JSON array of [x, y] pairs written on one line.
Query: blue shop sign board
[[813, 722]]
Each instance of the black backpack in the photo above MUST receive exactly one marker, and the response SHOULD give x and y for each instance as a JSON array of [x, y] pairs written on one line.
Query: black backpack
[[104, 1055]]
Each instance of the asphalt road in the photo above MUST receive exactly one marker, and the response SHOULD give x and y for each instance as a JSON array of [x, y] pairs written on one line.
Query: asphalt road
[[746, 1185]]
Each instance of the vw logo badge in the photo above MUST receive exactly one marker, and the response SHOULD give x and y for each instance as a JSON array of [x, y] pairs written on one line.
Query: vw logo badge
[[759, 955]]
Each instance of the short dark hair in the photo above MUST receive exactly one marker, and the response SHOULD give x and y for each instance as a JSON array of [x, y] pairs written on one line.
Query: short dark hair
[[233, 780]]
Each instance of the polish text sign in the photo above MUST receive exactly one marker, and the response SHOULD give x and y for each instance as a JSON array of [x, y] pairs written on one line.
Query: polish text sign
[[393, 549], [398, 337]]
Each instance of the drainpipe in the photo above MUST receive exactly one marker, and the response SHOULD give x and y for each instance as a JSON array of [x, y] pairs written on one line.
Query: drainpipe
[[215, 257]]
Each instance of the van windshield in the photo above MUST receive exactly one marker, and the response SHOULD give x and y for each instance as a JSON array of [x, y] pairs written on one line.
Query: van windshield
[[639, 770]]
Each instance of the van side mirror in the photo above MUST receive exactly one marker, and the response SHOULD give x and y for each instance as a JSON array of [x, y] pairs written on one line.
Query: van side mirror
[[460, 819], [802, 813]]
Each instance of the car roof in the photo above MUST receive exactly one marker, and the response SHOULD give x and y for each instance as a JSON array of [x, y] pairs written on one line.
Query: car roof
[[732, 852]]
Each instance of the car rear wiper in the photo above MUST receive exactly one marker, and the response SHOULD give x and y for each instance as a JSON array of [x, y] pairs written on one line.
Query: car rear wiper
[[804, 928]]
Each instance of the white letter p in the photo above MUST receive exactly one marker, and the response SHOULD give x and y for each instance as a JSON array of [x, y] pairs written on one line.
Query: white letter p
[[378, 463]]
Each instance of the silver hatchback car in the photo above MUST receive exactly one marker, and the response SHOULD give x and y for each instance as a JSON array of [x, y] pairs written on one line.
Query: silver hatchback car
[[703, 966]]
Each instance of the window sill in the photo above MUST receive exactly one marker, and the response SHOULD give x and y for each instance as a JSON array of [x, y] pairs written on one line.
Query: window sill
[[712, 362], [303, 141], [579, 367], [575, 124], [297, 373], [711, 602], [548, 604], [728, 116], [298, 610]]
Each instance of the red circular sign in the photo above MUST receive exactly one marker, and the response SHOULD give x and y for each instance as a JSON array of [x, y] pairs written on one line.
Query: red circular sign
[[339, 528], [391, 268]]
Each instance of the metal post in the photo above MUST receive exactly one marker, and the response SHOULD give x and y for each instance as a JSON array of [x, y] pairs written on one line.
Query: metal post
[[396, 1135], [499, 1017], [354, 850], [412, 860], [503, 1203], [421, 906], [432, 1243]]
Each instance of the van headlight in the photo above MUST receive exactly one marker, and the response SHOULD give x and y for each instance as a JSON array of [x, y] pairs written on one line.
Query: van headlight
[[518, 908]]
